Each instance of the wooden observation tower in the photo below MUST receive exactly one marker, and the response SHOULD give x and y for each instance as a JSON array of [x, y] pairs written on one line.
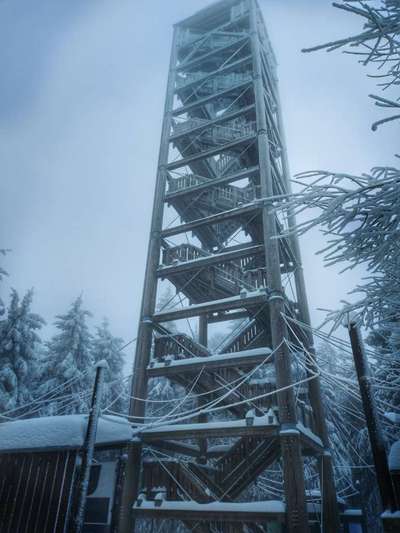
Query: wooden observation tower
[[213, 237]]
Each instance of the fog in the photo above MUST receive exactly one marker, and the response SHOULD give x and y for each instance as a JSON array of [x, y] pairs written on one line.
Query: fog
[[82, 89]]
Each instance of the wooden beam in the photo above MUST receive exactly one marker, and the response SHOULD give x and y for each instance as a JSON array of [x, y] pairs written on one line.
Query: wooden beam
[[252, 299], [183, 448], [224, 317], [219, 511], [242, 359], [230, 178], [235, 428], [207, 99], [210, 75], [310, 440], [214, 51], [185, 161], [220, 119], [212, 219], [214, 259]]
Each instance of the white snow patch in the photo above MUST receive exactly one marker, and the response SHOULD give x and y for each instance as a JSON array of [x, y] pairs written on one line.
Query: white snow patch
[[55, 432], [214, 358], [269, 506]]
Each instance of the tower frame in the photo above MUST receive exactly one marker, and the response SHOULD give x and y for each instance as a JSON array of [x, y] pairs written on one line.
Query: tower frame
[[223, 118]]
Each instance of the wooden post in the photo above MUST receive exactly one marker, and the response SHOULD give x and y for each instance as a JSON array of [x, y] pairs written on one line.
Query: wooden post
[[296, 509], [371, 416], [88, 447], [145, 331], [331, 517]]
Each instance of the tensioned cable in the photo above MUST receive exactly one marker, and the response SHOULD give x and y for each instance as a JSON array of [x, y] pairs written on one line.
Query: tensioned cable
[[235, 404], [344, 345], [193, 412]]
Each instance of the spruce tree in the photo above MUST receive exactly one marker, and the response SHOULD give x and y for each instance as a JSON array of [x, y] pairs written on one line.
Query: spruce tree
[[19, 343], [69, 362], [107, 347]]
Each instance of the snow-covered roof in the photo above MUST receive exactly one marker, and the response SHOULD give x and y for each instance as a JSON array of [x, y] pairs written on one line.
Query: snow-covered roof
[[394, 456], [60, 432]]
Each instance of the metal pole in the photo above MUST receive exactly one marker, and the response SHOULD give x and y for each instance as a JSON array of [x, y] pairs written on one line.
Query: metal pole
[[88, 446], [371, 416]]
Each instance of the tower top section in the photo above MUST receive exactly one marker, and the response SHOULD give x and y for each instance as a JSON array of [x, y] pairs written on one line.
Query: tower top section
[[223, 14]]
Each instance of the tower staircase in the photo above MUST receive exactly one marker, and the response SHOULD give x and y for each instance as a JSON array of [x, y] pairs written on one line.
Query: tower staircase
[[215, 240]]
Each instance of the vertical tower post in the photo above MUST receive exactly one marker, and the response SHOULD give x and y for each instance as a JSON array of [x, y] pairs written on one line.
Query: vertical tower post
[[297, 517], [145, 329], [330, 515]]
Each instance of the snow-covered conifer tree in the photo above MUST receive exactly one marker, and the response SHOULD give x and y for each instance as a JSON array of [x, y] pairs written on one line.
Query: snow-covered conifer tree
[[69, 359], [107, 347], [19, 343]]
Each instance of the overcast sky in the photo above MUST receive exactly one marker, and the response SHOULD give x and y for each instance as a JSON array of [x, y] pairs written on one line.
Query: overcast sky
[[82, 89]]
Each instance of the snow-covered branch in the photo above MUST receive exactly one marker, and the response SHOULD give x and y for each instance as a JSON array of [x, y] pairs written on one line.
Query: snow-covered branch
[[378, 44]]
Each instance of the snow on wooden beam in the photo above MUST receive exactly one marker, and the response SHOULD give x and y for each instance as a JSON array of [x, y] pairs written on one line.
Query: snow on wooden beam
[[251, 299], [235, 428], [262, 511], [235, 359], [310, 440], [215, 259]]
